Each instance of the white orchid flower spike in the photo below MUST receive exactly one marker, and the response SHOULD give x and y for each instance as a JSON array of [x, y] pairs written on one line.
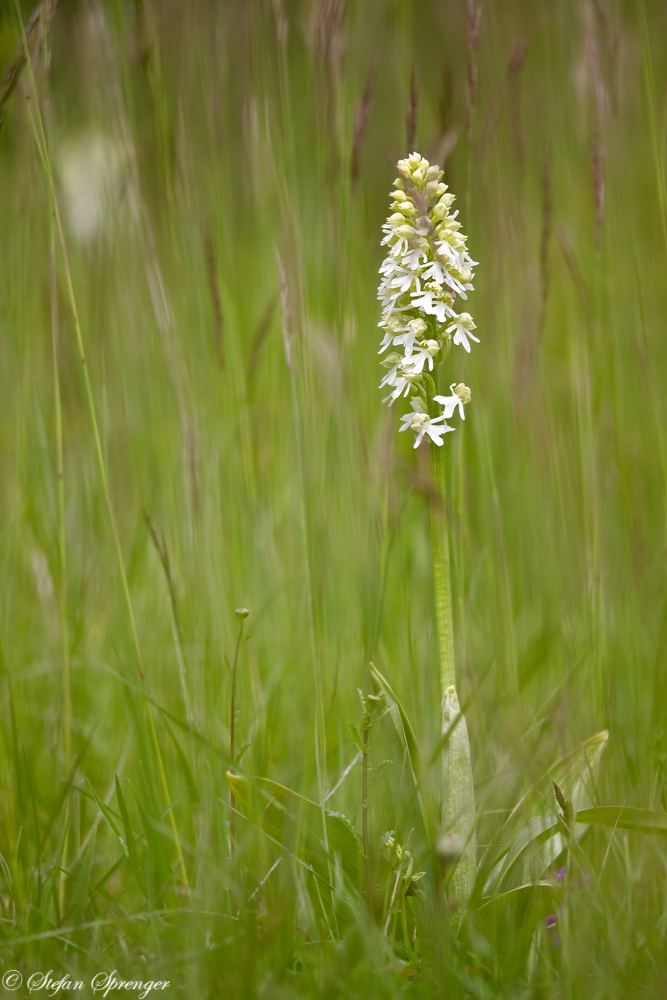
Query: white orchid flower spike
[[427, 268]]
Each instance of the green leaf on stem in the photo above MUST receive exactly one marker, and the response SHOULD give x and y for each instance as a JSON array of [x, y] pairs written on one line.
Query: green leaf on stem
[[356, 738]]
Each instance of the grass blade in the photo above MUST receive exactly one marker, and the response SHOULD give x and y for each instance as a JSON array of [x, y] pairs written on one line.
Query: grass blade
[[625, 818], [296, 823], [109, 818]]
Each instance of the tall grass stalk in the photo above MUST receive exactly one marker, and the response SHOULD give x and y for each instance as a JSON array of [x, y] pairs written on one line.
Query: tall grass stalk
[[241, 614], [63, 624], [62, 550]]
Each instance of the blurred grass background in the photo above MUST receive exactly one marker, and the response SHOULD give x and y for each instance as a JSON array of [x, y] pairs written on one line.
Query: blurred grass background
[[198, 148]]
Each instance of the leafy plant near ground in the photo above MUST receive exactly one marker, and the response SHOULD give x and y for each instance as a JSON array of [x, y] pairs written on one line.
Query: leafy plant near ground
[[221, 174], [515, 884]]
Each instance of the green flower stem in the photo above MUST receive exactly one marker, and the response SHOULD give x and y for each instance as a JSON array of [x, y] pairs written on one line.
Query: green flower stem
[[441, 571], [457, 792]]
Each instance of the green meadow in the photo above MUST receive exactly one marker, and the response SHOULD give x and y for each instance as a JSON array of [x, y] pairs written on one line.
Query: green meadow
[[191, 203]]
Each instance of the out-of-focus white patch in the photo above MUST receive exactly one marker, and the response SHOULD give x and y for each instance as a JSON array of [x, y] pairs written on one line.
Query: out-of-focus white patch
[[97, 183], [40, 568]]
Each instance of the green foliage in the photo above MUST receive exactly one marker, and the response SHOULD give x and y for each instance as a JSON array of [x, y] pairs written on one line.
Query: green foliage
[[509, 921], [532, 837], [297, 824]]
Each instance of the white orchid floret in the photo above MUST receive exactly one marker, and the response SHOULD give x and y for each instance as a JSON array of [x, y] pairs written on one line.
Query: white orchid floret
[[393, 326], [432, 302], [417, 255], [404, 370], [402, 203], [463, 392], [402, 387], [417, 326], [415, 329], [392, 360], [402, 376], [459, 398], [423, 354], [437, 273], [439, 213], [461, 329], [420, 422], [386, 341], [397, 281]]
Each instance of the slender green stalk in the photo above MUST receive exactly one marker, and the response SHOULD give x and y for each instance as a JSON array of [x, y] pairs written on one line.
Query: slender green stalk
[[60, 491], [160, 544], [60, 504], [457, 792], [62, 561], [393, 897], [441, 569], [241, 614], [367, 859]]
